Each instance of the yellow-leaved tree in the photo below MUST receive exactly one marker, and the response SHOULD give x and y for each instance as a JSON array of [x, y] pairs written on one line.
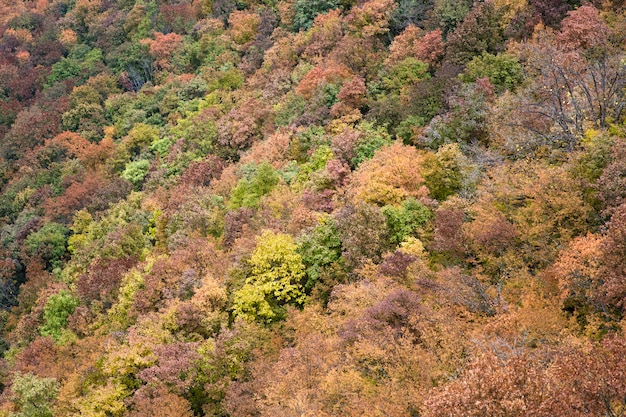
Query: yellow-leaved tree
[[276, 278]]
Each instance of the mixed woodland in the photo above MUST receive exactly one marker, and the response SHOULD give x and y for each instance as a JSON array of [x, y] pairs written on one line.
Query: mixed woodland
[[312, 208]]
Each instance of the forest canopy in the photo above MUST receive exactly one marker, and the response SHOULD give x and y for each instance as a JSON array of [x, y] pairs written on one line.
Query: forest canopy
[[312, 208]]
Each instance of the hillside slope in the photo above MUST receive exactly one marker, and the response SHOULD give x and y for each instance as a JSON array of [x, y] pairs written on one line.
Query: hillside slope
[[312, 208]]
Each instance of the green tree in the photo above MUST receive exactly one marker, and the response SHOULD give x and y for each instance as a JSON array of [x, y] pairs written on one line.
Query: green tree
[[449, 13], [503, 70], [480, 31], [49, 242], [62, 70], [277, 271], [33, 395], [136, 171], [55, 313], [259, 182], [319, 248], [81, 63], [140, 137], [464, 123], [373, 138], [403, 221], [307, 10], [406, 73], [447, 171], [409, 12]]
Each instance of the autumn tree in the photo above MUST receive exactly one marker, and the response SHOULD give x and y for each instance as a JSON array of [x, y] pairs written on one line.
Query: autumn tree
[[589, 381], [448, 234], [242, 126], [493, 386], [34, 395], [612, 290], [480, 31], [370, 19], [102, 279], [446, 172], [551, 12], [159, 403], [363, 233], [77, 195], [579, 276], [326, 33], [392, 175], [575, 81], [31, 128], [427, 47], [612, 175], [162, 47], [243, 26], [275, 280]]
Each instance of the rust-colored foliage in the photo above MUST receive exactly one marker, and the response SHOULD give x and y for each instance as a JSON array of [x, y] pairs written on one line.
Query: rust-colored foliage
[[371, 18], [174, 368], [613, 284], [449, 231], [363, 234], [178, 17], [234, 223], [430, 47], [493, 386], [37, 279], [332, 73], [326, 32], [158, 402], [611, 185], [31, 128], [39, 358], [362, 55], [480, 31], [178, 276], [403, 45], [413, 42], [102, 280], [590, 382], [244, 125], [271, 149], [397, 264], [578, 272], [243, 26], [201, 173], [344, 146], [493, 232], [90, 154], [162, 47], [431, 243], [353, 92], [75, 197], [583, 29]]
